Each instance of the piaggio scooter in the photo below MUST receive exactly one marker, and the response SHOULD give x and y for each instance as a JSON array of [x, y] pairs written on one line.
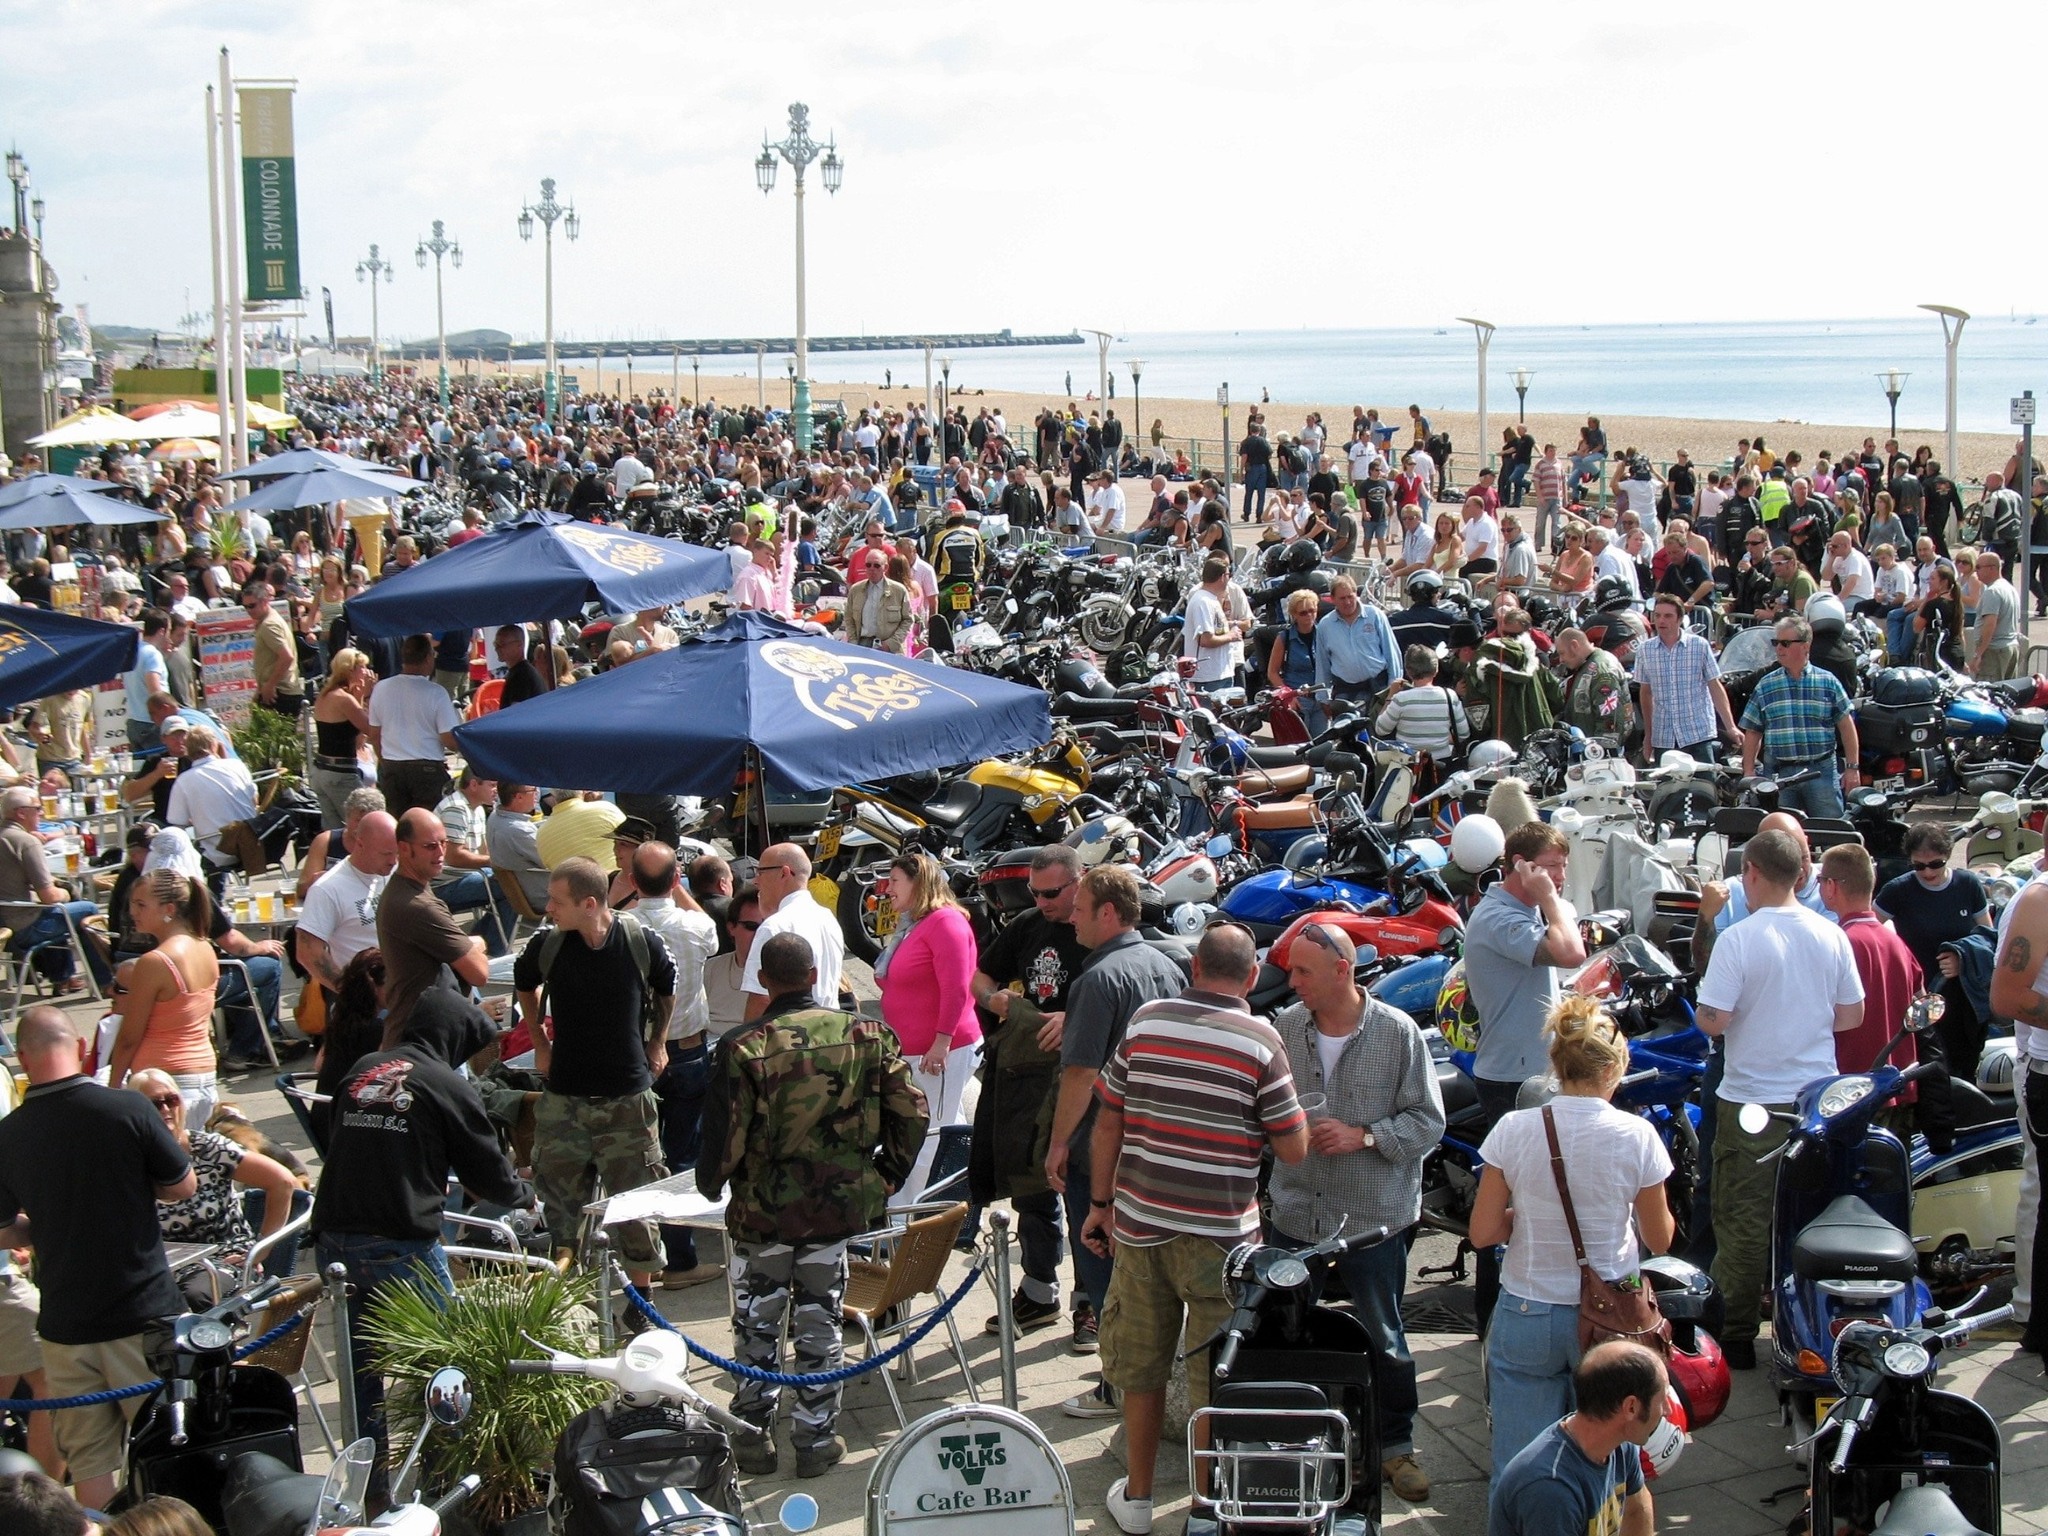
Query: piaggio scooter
[[1892, 1439], [1290, 1438]]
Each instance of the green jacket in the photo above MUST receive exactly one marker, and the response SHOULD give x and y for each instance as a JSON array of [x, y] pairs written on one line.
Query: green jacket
[[812, 1116]]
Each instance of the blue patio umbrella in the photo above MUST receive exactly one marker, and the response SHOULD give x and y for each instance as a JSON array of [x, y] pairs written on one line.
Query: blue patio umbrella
[[322, 487], [298, 460], [33, 487], [541, 566], [61, 504], [42, 653], [818, 713]]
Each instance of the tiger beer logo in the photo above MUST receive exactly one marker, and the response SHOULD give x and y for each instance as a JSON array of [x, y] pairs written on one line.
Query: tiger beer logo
[[18, 647], [632, 556], [850, 691]]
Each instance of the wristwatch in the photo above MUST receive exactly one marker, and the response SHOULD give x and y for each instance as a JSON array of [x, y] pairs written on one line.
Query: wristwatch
[[1370, 1139]]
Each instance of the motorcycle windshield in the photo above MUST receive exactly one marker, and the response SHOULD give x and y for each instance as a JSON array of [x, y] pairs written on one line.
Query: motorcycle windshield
[[345, 1494]]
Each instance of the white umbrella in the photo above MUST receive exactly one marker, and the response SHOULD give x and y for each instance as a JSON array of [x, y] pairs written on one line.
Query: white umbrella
[[92, 429], [181, 421]]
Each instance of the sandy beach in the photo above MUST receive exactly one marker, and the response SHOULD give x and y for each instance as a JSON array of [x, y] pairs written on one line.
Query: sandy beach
[[1709, 442]]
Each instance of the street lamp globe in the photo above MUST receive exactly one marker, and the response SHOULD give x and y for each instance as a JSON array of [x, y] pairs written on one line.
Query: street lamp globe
[[572, 226], [833, 168], [35, 208], [764, 171], [455, 255], [420, 255], [525, 224]]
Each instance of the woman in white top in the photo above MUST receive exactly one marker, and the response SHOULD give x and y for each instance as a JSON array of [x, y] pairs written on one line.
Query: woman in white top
[[1615, 1166]]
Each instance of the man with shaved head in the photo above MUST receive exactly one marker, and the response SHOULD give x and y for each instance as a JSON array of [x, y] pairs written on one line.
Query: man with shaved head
[[82, 1170], [419, 935], [339, 920]]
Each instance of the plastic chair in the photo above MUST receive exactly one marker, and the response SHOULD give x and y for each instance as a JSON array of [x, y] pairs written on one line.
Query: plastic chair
[[878, 1291], [485, 700], [515, 898]]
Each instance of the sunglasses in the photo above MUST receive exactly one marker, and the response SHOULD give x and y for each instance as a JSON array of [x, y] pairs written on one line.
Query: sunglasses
[[1320, 936], [1928, 866], [1786, 645], [1230, 922], [164, 1101], [1058, 890]]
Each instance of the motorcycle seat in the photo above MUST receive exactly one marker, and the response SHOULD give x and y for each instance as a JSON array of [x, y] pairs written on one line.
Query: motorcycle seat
[[961, 797], [1273, 757], [267, 1497], [1281, 815], [1850, 1241], [1273, 781], [2016, 692], [1975, 1108], [1459, 1091], [1079, 706], [1924, 1511]]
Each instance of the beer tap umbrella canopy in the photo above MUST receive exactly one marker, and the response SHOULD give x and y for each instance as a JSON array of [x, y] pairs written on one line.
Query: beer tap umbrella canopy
[[816, 713]]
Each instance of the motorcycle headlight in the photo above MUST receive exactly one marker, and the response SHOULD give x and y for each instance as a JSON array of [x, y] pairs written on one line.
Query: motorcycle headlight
[[1844, 1094]]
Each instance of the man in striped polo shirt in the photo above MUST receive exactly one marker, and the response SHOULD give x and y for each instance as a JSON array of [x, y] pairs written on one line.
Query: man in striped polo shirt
[[1189, 1100]]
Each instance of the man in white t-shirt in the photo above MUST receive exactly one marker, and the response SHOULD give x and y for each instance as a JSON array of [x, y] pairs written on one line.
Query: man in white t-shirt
[[412, 726], [1780, 987], [1207, 636], [866, 436], [783, 878], [1482, 537], [1363, 456], [339, 919], [1106, 506], [210, 795], [1845, 563], [1609, 560]]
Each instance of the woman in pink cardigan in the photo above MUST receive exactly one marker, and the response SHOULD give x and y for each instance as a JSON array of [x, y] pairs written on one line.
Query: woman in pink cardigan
[[924, 971]]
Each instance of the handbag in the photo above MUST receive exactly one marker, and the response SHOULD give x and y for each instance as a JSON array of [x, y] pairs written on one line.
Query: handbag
[[1608, 1309]]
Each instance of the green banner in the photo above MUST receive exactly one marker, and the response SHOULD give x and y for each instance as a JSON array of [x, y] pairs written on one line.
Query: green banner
[[270, 200]]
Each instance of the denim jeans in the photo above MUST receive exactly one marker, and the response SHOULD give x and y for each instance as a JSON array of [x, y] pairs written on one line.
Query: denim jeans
[[1377, 1277], [372, 1263], [1496, 1098], [1091, 1269], [246, 1024], [1820, 795], [49, 929], [1514, 484], [1530, 1352], [1256, 479], [1039, 1243], [474, 891], [1898, 636], [679, 1094]]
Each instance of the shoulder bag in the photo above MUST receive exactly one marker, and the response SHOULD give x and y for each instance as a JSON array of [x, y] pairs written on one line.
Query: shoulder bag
[[1608, 1309]]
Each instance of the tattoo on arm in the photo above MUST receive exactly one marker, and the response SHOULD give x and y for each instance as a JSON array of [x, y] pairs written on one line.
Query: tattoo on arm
[[2018, 954]]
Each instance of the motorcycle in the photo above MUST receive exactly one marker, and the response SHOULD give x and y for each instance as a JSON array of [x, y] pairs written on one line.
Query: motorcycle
[[657, 1458], [1892, 1439], [1841, 1219], [1290, 1438]]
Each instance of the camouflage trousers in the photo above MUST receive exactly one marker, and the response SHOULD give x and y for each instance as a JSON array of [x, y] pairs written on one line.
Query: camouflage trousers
[[769, 1273], [577, 1141]]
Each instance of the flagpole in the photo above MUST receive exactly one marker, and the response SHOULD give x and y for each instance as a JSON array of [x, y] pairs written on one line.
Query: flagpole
[[220, 312], [239, 380]]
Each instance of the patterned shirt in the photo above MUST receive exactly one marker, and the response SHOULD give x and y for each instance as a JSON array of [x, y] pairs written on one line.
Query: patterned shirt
[[1681, 704], [1201, 1084], [1796, 717]]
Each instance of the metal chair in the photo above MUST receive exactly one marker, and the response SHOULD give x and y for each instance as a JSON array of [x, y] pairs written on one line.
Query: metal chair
[[878, 1291], [20, 915], [288, 1355], [308, 1107], [220, 1012], [515, 898]]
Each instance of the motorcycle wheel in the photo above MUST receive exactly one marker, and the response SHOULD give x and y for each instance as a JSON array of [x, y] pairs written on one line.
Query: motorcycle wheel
[[1103, 625], [859, 905]]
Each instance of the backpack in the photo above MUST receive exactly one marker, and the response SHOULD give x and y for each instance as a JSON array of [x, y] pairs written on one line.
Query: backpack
[[643, 961], [619, 1470]]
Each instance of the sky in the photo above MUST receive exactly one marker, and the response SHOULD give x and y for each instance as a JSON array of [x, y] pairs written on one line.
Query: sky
[[1135, 165]]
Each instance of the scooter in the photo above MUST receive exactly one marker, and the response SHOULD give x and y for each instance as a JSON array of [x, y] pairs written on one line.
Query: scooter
[[1892, 1439], [658, 1458], [1841, 1221], [1290, 1438], [209, 1411]]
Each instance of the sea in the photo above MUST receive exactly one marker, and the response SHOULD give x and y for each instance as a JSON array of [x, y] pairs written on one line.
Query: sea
[[1792, 370]]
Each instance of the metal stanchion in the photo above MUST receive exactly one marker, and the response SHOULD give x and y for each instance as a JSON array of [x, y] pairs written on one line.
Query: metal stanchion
[[344, 1351], [601, 1261], [1006, 1326]]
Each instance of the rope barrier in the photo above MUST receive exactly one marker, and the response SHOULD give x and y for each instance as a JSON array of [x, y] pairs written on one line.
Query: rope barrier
[[118, 1394], [820, 1378]]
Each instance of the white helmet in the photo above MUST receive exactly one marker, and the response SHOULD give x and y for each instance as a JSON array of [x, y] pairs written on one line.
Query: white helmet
[[1105, 840], [1824, 611], [1489, 754], [1667, 1441], [1476, 842]]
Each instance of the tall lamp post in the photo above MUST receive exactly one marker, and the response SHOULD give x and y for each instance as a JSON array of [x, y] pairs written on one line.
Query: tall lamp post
[[696, 389], [945, 408], [1895, 386], [17, 172], [36, 210], [1952, 336], [369, 269], [790, 364], [440, 246], [800, 149], [1483, 330], [547, 210], [1522, 376], [1137, 367], [1102, 340]]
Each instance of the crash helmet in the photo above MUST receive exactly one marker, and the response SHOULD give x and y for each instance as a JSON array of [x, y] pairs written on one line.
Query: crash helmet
[[1476, 842], [1492, 753], [1457, 1016], [1303, 556], [1425, 587], [1611, 594]]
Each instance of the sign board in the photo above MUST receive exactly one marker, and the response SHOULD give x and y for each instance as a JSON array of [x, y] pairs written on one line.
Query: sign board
[[227, 664], [973, 1470], [270, 195], [2023, 410], [110, 715]]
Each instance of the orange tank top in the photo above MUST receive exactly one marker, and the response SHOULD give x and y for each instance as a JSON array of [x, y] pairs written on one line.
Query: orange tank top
[[179, 1034]]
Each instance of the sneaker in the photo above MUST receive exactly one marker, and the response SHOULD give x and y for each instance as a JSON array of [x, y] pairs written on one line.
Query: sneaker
[[1085, 1341], [1028, 1315], [1132, 1516], [1739, 1353], [817, 1460], [756, 1455], [683, 1279], [1098, 1402], [1406, 1476]]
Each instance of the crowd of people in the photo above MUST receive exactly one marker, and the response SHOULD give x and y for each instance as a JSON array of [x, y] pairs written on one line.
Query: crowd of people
[[698, 1013]]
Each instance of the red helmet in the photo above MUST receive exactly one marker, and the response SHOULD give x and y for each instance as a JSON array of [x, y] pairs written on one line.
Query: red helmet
[[1699, 1378]]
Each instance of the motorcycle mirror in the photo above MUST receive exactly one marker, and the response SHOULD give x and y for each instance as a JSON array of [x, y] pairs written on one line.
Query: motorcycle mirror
[[448, 1396], [1754, 1119], [799, 1512], [1925, 1012], [1218, 847]]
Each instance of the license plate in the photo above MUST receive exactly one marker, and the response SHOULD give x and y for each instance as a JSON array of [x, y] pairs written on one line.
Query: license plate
[[883, 921], [1822, 1407], [828, 842], [963, 599], [1896, 781]]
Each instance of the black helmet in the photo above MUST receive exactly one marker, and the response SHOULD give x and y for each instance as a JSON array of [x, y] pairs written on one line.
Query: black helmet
[[1612, 594], [1425, 587], [1303, 556]]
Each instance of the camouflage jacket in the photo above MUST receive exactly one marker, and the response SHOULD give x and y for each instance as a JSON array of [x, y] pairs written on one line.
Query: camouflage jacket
[[812, 1116]]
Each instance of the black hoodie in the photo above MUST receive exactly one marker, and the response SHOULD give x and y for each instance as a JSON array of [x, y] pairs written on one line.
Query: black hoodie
[[402, 1119]]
